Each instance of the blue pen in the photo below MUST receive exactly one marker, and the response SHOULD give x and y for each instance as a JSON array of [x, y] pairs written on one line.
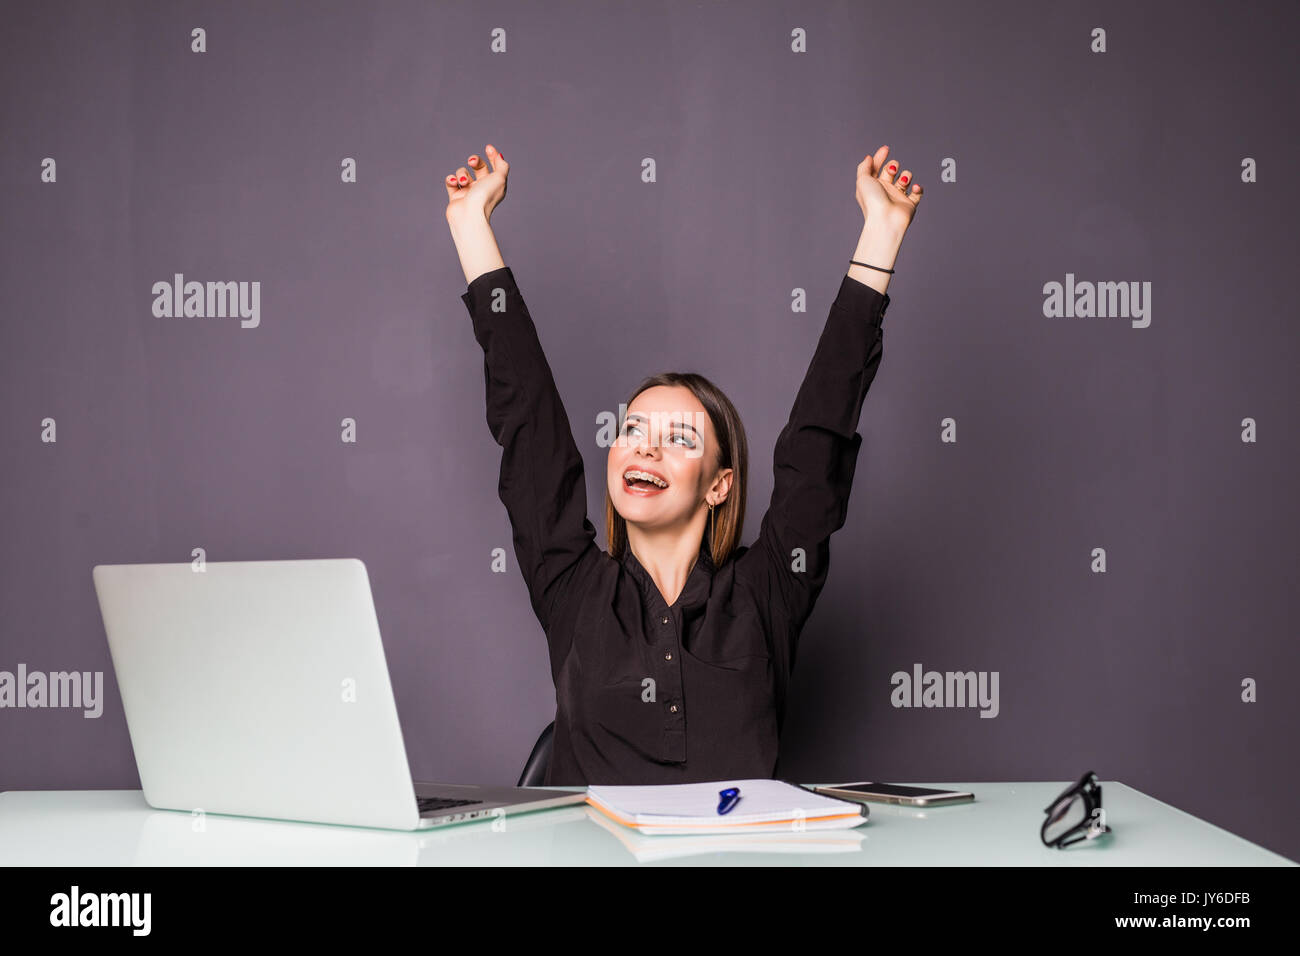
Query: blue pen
[[727, 799]]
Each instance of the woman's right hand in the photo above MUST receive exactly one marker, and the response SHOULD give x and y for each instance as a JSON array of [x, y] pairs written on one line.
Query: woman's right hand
[[477, 193]]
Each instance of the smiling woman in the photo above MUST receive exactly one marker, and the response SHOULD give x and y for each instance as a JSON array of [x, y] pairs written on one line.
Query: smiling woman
[[672, 650], [684, 435]]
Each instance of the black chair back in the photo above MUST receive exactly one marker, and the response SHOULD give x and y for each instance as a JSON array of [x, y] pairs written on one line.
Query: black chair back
[[534, 774]]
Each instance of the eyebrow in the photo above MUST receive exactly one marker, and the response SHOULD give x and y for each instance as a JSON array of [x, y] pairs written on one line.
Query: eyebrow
[[642, 418]]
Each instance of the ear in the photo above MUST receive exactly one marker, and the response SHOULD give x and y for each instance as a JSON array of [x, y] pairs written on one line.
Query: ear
[[721, 486]]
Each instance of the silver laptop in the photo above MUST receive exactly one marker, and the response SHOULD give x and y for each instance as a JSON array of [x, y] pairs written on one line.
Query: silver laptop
[[259, 688]]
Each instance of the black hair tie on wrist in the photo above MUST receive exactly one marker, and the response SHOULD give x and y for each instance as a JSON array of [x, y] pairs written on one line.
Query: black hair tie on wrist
[[877, 268]]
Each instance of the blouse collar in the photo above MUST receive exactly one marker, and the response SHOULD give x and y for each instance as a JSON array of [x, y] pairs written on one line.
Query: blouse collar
[[698, 582]]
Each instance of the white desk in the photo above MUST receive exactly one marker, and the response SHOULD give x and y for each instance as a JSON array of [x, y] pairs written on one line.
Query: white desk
[[117, 828]]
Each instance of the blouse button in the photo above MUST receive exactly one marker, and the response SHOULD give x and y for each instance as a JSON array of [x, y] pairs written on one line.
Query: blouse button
[[664, 620], [668, 656], [673, 708]]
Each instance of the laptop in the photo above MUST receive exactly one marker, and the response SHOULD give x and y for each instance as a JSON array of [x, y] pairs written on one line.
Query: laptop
[[260, 689]]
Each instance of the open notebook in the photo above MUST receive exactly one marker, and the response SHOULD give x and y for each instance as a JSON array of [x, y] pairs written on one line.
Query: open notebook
[[765, 805]]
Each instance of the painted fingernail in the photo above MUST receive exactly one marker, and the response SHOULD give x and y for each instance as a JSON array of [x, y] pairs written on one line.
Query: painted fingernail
[[463, 179], [893, 168], [902, 179]]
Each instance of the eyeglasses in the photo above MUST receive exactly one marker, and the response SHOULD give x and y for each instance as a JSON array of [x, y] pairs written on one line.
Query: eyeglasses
[[1076, 814]]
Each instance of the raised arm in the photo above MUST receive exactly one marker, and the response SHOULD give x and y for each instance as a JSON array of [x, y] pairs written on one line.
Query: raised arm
[[542, 481], [816, 456], [817, 450]]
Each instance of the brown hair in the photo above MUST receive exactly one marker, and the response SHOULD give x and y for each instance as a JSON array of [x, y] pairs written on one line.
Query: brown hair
[[733, 453]]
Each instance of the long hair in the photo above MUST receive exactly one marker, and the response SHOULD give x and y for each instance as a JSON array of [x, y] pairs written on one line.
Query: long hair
[[733, 452]]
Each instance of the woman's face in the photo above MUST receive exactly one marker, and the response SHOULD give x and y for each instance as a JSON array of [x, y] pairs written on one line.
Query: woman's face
[[666, 434]]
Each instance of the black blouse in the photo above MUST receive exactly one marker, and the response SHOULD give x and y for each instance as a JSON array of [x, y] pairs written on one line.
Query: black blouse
[[646, 693]]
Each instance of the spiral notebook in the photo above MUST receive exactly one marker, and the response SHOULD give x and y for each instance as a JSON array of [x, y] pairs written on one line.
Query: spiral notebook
[[764, 805]]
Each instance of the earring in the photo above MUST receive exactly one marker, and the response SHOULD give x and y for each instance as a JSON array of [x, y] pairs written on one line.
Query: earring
[[712, 529]]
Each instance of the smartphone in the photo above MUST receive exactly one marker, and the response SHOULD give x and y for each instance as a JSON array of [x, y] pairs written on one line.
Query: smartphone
[[895, 793]]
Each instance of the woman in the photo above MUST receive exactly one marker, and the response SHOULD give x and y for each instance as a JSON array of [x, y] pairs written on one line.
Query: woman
[[672, 652]]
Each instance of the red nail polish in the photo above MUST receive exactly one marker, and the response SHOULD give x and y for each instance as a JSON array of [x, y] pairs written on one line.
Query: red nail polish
[[903, 180], [463, 179]]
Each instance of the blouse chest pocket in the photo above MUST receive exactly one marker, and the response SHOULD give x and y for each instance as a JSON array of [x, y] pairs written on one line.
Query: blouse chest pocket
[[743, 635], [732, 700]]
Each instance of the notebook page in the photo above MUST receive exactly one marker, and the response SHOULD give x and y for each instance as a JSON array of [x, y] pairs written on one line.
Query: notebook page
[[761, 801]]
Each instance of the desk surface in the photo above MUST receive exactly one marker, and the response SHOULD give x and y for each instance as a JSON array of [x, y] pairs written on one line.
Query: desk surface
[[117, 828]]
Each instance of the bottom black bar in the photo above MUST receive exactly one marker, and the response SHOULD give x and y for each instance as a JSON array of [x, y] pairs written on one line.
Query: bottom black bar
[[332, 905]]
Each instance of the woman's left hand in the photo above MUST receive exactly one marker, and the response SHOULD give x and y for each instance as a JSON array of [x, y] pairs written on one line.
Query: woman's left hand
[[886, 193]]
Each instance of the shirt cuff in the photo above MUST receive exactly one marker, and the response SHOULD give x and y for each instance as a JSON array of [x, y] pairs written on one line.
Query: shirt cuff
[[860, 299], [478, 294]]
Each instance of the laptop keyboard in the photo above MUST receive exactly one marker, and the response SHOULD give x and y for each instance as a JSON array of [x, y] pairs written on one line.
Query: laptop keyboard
[[441, 803]]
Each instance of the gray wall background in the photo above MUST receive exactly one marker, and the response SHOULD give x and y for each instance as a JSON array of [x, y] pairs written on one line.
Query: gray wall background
[[1073, 433]]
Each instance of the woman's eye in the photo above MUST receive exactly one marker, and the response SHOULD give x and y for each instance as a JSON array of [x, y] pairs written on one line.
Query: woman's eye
[[685, 439]]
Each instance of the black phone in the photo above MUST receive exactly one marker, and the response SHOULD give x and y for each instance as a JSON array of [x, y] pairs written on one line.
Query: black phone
[[895, 793]]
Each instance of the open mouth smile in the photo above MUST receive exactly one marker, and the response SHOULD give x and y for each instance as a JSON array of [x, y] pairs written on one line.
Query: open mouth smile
[[637, 481]]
